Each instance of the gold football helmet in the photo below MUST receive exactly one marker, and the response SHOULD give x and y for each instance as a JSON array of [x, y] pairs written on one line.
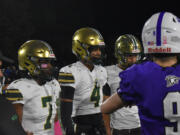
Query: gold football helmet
[[125, 46], [30, 57], [84, 39]]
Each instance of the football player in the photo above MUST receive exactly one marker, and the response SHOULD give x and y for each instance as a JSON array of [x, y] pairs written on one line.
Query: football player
[[154, 85], [34, 95], [82, 83], [124, 121]]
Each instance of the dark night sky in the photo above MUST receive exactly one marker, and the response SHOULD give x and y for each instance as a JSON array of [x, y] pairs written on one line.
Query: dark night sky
[[55, 21]]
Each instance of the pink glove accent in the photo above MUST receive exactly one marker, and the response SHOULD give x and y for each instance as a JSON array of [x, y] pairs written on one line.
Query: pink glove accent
[[57, 128]]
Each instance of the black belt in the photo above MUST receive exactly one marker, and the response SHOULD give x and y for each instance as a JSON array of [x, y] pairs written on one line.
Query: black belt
[[130, 131]]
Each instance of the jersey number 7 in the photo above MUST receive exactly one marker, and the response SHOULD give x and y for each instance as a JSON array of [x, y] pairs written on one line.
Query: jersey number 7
[[46, 103]]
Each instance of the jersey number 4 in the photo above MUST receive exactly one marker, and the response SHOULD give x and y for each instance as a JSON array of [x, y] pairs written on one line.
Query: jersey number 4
[[95, 96], [46, 103], [172, 112]]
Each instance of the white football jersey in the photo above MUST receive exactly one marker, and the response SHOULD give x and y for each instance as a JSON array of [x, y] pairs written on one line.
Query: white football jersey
[[39, 102], [88, 95], [126, 117]]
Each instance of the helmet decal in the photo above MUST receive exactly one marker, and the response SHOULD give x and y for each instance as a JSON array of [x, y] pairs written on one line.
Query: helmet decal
[[134, 41], [158, 29]]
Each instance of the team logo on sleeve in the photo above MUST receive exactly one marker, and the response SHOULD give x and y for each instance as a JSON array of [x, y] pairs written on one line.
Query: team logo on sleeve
[[172, 80]]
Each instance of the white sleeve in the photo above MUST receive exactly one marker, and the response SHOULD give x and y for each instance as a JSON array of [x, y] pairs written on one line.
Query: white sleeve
[[108, 75], [18, 92], [104, 75], [57, 88]]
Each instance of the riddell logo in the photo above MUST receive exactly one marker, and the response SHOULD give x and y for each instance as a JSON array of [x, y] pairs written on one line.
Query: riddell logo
[[159, 50]]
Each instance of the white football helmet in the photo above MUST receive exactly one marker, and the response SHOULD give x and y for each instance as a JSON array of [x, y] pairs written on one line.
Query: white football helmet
[[161, 34]]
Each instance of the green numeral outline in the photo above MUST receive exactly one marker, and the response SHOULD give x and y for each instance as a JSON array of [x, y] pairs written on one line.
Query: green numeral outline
[[45, 102], [95, 96]]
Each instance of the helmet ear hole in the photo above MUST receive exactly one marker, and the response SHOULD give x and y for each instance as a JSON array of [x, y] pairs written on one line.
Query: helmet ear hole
[[174, 20], [168, 31]]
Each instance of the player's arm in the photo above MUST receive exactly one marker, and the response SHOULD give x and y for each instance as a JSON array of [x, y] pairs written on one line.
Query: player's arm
[[66, 99], [56, 118], [10, 124], [67, 83], [112, 104], [106, 117], [57, 126], [19, 111], [16, 97]]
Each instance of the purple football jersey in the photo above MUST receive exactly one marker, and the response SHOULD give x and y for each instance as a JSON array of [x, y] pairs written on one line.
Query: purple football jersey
[[156, 92]]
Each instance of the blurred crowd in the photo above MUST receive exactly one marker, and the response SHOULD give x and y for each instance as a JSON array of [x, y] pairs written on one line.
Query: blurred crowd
[[7, 74]]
